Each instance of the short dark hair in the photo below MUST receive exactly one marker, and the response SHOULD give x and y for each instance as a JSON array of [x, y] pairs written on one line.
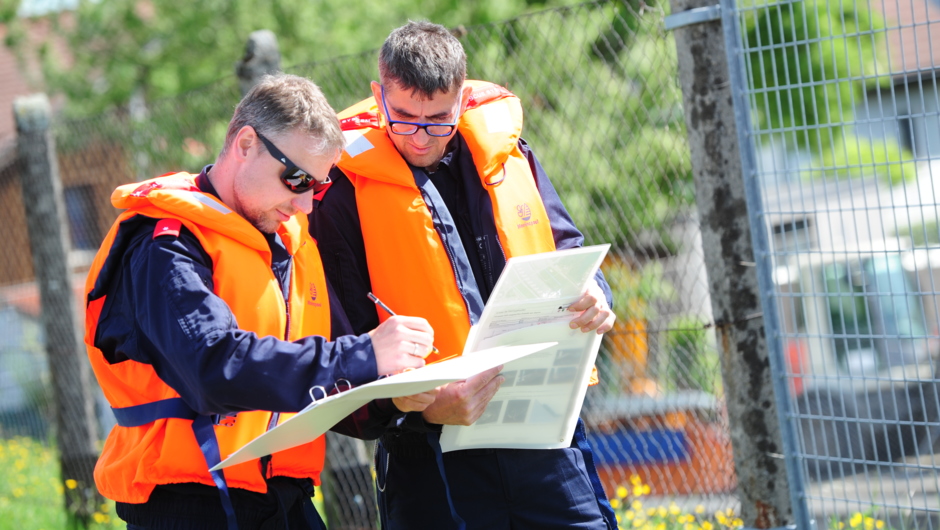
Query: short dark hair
[[424, 58], [283, 103]]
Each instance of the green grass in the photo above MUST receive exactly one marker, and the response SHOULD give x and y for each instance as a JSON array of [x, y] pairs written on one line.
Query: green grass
[[32, 494]]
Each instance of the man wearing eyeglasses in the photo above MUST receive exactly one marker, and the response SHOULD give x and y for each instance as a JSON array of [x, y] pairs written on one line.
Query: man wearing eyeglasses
[[208, 318], [434, 191]]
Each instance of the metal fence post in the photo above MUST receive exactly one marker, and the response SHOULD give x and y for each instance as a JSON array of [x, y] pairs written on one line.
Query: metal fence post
[[71, 378], [740, 312]]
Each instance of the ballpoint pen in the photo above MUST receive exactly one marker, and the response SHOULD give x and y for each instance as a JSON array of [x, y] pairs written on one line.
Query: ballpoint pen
[[392, 313]]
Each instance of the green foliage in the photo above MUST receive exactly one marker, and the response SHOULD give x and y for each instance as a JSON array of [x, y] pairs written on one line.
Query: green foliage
[[806, 52], [605, 121], [851, 155], [160, 48], [637, 292], [810, 63], [689, 361]]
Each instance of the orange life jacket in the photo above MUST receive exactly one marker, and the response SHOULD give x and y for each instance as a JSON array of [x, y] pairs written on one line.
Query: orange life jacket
[[415, 272], [135, 459]]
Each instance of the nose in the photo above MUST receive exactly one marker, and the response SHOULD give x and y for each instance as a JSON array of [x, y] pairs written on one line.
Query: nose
[[421, 137], [303, 202]]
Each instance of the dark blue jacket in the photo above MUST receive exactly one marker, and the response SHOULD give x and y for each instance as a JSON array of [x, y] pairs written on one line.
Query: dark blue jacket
[[213, 364], [335, 225]]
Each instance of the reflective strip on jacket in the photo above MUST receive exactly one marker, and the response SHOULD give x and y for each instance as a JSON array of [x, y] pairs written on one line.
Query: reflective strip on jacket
[[408, 233], [136, 459]]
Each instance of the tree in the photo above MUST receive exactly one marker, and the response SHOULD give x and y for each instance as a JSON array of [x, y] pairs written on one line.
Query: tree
[[160, 48], [810, 64], [603, 114]]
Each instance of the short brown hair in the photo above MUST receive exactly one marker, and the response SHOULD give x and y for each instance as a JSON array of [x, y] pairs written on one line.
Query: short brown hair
[[282, 103], [424, 58]]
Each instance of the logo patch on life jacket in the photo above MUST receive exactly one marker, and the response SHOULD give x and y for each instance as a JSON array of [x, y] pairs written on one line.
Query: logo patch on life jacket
[[312, 301], [525, 214]]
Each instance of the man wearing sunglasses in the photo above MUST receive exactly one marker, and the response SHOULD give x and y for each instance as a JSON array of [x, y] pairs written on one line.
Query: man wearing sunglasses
[[434, 191], [209, 319]]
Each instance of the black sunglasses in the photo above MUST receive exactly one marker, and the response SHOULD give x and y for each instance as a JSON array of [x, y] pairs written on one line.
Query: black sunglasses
[[296, 179]]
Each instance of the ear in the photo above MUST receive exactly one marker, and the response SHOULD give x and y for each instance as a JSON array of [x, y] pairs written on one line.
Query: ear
[[244, 139], [465, 97], [377, 95]]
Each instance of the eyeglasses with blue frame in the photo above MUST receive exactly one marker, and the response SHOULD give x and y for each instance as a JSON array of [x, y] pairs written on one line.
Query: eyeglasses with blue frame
[[407, 128]]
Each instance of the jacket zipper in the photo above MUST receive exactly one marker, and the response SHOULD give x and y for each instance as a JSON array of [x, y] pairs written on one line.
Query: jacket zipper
[[266, 469]]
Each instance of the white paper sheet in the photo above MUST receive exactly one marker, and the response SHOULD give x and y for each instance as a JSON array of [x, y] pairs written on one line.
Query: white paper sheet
[[537, 407], [324, 413]]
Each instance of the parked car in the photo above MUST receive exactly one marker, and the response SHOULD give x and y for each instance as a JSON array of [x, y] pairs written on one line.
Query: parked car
[[860, 332]]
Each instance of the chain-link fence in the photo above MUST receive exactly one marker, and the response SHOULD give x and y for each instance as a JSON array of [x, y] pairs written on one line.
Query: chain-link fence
[[844, 129], [603, 108]]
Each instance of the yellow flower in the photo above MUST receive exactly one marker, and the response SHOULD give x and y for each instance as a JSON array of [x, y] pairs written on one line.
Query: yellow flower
[[855, 520], [869, 523], [646, 489], [621, 492], [98, 517], [636, 480], [637, 505], [707, 526], [661, 526], [699, 509], [674, 509], [737, 522], [615, 503], [637, 491], [879, 524], [19, 492], [661, 511], [629, 515], [105, 507], [71, 483]]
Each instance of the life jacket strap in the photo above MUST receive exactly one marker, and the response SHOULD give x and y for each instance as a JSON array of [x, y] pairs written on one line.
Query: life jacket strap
[[138, 415], [150, 412], [434, 439]]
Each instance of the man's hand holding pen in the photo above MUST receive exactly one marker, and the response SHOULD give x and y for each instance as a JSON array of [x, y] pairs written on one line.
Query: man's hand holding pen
[[401, 343], [415, 339]]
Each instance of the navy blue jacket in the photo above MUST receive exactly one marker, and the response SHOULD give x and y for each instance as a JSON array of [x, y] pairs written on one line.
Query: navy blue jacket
[[214, 366], [335, 225]]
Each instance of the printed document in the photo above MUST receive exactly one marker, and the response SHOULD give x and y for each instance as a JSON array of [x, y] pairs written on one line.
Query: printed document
[[537, 406], [322, 414]]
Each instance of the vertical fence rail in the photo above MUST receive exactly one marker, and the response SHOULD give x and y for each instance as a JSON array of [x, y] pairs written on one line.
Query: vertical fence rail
[[844, 128], [737, 76]]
